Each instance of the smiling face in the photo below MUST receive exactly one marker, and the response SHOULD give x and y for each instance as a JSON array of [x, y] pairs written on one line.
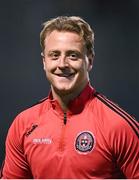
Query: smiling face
[[66, 62]]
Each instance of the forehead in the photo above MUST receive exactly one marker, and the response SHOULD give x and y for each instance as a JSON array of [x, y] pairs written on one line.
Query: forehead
[[63, 39]]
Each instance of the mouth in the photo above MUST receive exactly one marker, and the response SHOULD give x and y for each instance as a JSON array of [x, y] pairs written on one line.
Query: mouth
[[69, 75]]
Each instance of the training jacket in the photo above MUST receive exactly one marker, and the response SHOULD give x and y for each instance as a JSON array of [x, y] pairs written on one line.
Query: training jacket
[[93, 139]]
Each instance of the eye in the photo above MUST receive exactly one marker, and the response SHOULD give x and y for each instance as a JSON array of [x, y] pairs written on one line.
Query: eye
[[73, 56], [53, 55]]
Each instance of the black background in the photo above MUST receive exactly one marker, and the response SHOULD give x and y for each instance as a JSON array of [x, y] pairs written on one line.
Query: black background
[[22, 79]]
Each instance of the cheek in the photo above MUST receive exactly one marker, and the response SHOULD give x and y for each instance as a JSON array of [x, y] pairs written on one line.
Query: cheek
[[49, 66], [77, 65], [82, 66]]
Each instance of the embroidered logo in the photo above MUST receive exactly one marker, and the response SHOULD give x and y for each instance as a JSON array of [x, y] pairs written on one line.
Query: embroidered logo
[[84, 142], [31, 129]]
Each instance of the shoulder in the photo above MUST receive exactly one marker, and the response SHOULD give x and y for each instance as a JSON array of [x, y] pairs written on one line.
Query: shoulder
[[29, 118], [113, 116], [120, 132], [37, 108]]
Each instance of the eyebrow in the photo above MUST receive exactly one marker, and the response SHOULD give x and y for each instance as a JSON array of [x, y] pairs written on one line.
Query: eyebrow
[[53, 51]]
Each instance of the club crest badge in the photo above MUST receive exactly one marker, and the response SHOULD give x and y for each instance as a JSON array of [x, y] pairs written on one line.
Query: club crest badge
[[84, 142]]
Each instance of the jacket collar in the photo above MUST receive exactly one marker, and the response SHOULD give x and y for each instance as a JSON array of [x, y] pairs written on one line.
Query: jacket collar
[[76, 105]]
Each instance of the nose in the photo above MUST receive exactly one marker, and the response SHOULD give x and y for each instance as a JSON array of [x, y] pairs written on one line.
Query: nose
[[63, 62]]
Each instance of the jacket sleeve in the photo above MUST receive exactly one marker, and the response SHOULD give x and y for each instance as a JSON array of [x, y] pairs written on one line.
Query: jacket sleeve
[[125, 145], [15, 164]]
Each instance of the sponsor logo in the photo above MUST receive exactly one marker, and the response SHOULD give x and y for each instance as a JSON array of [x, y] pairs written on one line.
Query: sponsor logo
[[84, 142], [42, 141]]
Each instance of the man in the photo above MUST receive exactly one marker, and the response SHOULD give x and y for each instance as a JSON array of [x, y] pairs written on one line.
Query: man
[[75, 132]]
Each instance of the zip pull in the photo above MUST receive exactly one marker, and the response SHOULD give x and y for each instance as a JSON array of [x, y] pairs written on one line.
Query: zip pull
[[65, 118]]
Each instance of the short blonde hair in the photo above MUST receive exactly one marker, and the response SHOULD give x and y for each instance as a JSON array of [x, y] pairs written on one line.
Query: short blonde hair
[[72, 24]]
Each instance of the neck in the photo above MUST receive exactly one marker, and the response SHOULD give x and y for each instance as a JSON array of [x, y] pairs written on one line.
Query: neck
[[64, 98]]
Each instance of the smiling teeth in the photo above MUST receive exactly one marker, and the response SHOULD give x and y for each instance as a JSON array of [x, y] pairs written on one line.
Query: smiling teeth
[[65, 75]]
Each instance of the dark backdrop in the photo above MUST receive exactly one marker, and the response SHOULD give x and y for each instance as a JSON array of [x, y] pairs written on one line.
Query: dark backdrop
[[22, 80]]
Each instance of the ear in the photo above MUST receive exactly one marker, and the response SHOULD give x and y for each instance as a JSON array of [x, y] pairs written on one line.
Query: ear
[[43, 59], [90, 62]]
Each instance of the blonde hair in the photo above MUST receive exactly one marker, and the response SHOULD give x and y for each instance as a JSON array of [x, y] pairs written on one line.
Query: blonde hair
[[72, 24]]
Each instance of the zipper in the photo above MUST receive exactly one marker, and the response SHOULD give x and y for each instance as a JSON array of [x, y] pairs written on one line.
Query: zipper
[[65, 118], [63, 130]]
